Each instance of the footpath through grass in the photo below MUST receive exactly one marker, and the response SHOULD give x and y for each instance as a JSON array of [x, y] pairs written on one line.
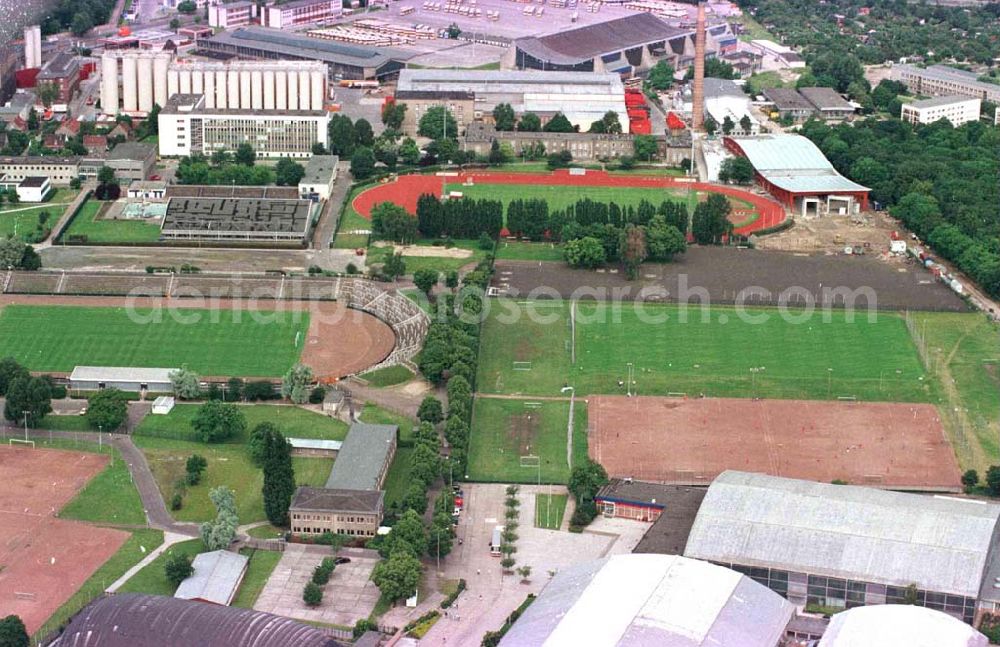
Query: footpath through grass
[[820, 356], [222, 342]]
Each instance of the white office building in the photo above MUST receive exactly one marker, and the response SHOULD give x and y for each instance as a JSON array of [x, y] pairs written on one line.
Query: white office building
[[956, 109]]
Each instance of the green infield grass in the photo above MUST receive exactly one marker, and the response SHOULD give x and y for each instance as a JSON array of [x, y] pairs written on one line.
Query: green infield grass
[[504, 432], [521, 251], [388, 376], [711, 355], [221, 342], [88, 222], [560, 197], [259, 569], [549, 510]]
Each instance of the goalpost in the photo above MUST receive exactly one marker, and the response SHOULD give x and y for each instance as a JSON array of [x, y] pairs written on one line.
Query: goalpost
[[21, 441], [522, 366], [572, 332]]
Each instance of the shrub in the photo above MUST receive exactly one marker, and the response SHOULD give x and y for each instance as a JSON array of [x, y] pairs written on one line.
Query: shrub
[[317, 395], [177, 501], [450, 600], [312, 595], [363, 625], [178, 568]]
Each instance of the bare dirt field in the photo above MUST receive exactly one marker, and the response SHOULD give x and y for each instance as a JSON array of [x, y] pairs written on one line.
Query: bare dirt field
[[690, 441], [724, 273], [44, 560]]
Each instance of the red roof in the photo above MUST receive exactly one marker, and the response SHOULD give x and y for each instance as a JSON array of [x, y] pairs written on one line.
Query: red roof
[[674, 122], [69, 126], [95, 141]]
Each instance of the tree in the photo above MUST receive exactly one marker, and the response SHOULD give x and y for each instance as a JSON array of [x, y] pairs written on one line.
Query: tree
[[425, 280], [47, 93], [437, 123], [728, 125], [430, 410], [175, 24], [409, 153], [586, 479], [398, 576], [394, 266], [710, 221], [661, 76], [245, 155], [187, 6], [503, 117], [586, 252], [342, 136], [257, 445], [710, 125], [507, 562], [279, 479], [13, 632], [408, 535], [9, 370], [524, 572], [220, 532], [218, 421], [633, 249], [746, 124], [645, 147], [106, 176], [195, 465], [393, 114], [559, 124], [28, 398], [442, 536], [714, 69], [186, 383], [664, 241], [288, 173], [312, 594], [295, 384], [363, 133], [737, 169], [362, 163], [992, 480], [82, 23], [177, 568], [107, 410], [529, 123], [970, 479]]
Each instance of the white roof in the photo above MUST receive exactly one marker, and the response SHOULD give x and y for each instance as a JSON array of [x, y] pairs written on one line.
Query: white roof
[[315, 443], [647, 600], [794, 163], [121, 374], [216, 577], [939, 543], [898, 625], [164, 400]]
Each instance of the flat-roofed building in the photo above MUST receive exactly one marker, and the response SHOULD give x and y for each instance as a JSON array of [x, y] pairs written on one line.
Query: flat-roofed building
[[124, 378], [789, 104], [59, 170], [132, 160], [828, 102], [943, 80], [33, 189], [297, 13], [315, 511], [479, 138], [315, 447], [227, 15], [216, 578], [956, 109], [320, 174]]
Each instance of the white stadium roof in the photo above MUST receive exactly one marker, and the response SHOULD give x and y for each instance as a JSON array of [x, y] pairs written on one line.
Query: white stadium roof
[[795, 164], [938, 543], [899, 625], [651, 600]]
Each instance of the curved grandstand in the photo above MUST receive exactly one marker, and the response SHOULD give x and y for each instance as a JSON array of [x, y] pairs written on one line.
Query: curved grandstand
[[407, 320], [795, 171]]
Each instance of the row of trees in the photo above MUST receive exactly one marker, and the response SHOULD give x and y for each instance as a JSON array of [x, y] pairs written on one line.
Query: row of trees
[[462, 218], [238, 168], [506, 120]]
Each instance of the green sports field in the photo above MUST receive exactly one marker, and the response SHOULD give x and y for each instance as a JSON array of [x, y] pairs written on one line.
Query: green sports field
[[814, 359], [222, 342], [560, 197]]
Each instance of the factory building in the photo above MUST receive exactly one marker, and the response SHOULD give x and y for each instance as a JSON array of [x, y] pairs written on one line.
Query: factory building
[[148, 78], [187, 126], [956, 109], [471, 95], [63, 71], [227, 15], [32, 47], [297, 13], [944, 80], [724, 99]]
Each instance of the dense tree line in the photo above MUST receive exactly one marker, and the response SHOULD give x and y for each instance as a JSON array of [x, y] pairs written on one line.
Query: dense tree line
[[78, 16], [462, 218], [939, 180]]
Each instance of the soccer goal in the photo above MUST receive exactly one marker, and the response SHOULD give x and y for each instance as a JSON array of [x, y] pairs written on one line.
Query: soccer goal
[[21, 441], [532, 405], [522, 366], [530, 460]]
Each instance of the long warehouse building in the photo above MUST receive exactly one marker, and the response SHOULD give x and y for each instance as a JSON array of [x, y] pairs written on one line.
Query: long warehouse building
[[132, 81]]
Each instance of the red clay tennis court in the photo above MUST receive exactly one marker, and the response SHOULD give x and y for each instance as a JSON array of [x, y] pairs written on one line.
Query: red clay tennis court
[[44, 560], [690, 441], [406, 189]]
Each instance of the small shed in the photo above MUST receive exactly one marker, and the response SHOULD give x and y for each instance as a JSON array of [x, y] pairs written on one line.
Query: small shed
[[163, 405], [315, 447], [332, 401], [126, 378], [216, 578]]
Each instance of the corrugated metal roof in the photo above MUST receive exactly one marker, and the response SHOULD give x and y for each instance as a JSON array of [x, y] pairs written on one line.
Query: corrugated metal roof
[[493, 81], [897, 624], [826, 99], [121, 374], [651, 600], [584, 43], [216, 577], [315, 443], [938, 543], [362, 455], [129, 620], [794, 163]]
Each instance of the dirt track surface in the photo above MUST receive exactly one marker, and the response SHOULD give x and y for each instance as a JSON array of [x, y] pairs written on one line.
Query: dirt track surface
[[44, 560], [341, 341], [691, 441], [406, 189], [723, 273]]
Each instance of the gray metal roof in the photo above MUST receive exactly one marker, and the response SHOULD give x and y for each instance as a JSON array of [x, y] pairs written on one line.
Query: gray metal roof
[[121, 374], [217, 576], [826, 99], [320, 169], [362, 457], [940, 101], [897, 624], [129, 620], [794, 163], [651, 600], [132, 151], [787, 99], [723, 88], [938, 543], [337, 500], [315, 443], [302, 47], [584, 43], [495, 81]]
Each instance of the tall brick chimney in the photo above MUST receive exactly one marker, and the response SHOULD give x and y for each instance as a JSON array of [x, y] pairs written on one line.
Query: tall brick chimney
[[698, 97]]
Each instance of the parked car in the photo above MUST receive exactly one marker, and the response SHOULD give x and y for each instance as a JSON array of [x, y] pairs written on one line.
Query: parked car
[[341, 560]]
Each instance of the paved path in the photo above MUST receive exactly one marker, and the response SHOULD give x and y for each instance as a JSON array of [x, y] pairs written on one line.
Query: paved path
[[332, 213], [169, 539]]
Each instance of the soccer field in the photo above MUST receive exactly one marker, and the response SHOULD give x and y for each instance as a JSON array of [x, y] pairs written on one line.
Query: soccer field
[[218, 343], [560, 197], [813, 359]]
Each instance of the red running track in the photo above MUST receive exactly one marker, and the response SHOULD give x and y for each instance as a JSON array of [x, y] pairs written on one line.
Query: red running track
[[405, 190]]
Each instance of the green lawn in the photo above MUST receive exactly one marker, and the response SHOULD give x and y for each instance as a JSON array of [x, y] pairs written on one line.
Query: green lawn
[[262, 563], [351, 220], [293, 422], [560, 197], [549, 510], [267, 531], [521, 251], [152, 579], [109, 498], [25, 219], [65, 423], [220, 342], [98, 230], [674, 353], [418, 297], [378, 416], [131, 553], [504, 430], [397, 481], [228, 464], [388, 376]]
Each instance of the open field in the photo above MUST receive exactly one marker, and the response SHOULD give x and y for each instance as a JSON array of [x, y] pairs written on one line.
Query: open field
[[426, 255], [294, 422], [809, 360], [152, 579], [218, 342], [88, 222], [559, 198], [505, 430], [509, 250], [549, 510], [228, 464], [379, 416], [44, 559], [690, 441], [110, 497]]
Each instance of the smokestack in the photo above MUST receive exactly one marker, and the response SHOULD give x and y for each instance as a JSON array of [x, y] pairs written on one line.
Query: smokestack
[[698, 98]]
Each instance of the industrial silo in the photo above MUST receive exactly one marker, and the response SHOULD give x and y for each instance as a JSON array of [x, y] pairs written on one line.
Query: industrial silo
[[130, 88], [109, 83], [145, 82]]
